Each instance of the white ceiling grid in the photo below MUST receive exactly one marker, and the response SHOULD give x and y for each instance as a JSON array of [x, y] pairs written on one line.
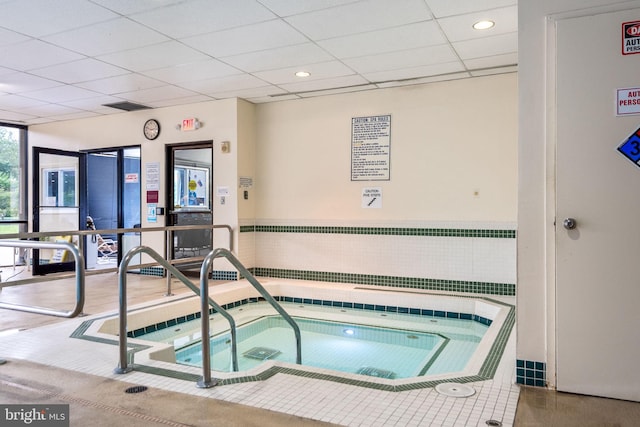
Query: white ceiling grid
[[64, 59]]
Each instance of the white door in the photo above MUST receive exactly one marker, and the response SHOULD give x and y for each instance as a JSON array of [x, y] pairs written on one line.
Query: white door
[[598, 262]]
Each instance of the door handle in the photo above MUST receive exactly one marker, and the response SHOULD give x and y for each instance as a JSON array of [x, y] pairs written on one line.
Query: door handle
[[569, 223]]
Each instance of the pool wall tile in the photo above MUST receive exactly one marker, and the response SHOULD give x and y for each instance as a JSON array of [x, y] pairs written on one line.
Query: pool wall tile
[[470, 257], [531, 373]]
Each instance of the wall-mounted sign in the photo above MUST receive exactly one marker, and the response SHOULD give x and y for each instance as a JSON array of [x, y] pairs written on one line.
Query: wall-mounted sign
[[370, 148], [372, 198], [131, 178], [190, 124], [630, 37], [631, 148], [153, 175], [151, 213], [628, 101]]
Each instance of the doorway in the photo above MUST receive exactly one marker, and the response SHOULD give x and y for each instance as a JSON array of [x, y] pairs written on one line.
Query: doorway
[[112, 201], [596, 241], [189, 178]]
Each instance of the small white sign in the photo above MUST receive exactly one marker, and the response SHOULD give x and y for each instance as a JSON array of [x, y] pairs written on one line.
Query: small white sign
[[151, 212], [372, 198], [628, 101], [131, 178], [222, 191]]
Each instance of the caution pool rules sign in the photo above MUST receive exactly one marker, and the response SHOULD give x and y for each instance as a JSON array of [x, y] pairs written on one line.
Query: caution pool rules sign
[[630, 37]]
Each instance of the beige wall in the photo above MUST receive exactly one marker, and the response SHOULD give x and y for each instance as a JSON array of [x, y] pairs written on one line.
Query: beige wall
[[449, 141]]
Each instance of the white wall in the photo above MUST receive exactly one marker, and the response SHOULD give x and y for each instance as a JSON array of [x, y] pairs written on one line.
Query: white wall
[[449, 141], [219, 120]]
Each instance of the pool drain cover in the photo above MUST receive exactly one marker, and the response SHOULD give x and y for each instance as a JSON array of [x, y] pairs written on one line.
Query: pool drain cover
[[261, 353], [455, 390], [136, 389], [376, 372]]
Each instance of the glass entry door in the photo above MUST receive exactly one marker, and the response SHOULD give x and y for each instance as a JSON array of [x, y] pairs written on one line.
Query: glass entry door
[[190, 180], [56, 204]]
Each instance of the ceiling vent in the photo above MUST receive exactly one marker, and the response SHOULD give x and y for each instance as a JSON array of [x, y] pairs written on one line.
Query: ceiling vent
[[127, 106]]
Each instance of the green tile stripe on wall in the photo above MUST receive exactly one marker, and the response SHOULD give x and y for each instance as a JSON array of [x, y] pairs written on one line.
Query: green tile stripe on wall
[[391, 281], [390, 231]]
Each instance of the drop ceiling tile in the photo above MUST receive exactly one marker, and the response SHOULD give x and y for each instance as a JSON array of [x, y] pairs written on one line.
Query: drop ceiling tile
[[249, 38], [107, 37], [402, 59], [265, 99], [60, 94], [458, 28], [92, 104], [14, 117], [203, 16], [159, 55], [422, 80], [499, 70], [333, 83], [11, 37], [237, 82], [442, 8], [398, 38], [180, 101], [17, 102], [120, 84], [353, 18], [287, 7], [488, 46], [349, 89], [322, 70], [193, 71], [79, 71], [127, 7], [20, 82], [74, 116], [417, 72], [257, 92], [50, 110], [491, 61], [289, 56], [38, 18], [34, 54], [156, 94]]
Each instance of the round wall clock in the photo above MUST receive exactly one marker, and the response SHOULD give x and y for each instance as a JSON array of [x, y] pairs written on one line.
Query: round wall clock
[[151, 129]]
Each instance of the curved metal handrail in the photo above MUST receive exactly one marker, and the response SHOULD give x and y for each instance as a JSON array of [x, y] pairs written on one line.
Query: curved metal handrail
[[79, 261], [123, 367], [204, 292]]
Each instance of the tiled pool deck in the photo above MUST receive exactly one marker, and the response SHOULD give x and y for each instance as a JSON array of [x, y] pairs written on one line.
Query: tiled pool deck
[[286, 391]]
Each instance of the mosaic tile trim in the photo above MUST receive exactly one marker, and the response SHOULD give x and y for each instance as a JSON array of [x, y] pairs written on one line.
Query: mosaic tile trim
[[531, 373], [508, 289], [152, 271], [224, 275], [391, 231], [327, 303], [486, 372]]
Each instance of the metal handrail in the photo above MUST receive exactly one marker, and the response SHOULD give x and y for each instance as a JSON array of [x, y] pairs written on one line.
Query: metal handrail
[[80, 288], [123, 367], [206, 380]]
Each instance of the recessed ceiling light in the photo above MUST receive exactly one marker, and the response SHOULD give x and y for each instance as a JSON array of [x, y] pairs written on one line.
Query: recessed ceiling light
[[303, 74], [483, 25]]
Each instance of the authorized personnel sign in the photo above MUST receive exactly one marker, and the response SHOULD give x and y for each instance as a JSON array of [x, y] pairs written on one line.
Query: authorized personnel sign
[[628, 101], [630, 37]]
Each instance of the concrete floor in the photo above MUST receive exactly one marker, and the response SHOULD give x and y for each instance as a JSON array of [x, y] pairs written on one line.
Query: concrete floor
[[98, 401]]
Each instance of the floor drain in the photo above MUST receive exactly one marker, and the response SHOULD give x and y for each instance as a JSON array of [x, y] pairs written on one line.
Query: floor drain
[[455, 390], [136, 389], [494, 423]]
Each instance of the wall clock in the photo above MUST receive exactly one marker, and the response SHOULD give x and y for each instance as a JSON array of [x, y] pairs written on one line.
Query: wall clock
[[151, 129]]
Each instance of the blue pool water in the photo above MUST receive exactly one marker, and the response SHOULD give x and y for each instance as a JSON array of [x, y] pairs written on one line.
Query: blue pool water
[[408, 346]]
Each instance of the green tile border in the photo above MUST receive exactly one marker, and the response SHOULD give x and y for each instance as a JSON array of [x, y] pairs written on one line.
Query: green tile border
[[486, 372], [488, 288], [390, 231]]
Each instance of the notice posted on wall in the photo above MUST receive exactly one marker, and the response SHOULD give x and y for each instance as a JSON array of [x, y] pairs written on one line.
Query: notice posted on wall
[[370, 148]]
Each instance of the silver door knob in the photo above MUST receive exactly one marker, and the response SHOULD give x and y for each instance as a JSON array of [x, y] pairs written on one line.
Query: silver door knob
[[569, 223]]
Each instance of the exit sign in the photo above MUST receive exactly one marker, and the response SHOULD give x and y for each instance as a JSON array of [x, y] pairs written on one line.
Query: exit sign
[[189, 124]]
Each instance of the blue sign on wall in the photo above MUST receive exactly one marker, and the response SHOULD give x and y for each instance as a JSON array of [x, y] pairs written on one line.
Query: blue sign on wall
[[631, 148]]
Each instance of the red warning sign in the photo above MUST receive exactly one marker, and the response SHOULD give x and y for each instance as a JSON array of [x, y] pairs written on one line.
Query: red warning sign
[[630, 37]]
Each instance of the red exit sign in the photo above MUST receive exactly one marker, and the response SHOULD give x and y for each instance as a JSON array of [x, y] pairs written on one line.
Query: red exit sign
[[189, 124]]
